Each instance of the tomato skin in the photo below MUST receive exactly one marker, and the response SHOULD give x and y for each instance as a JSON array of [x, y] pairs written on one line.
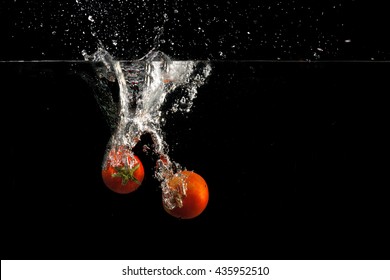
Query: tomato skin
[[122, 172], [196, 197]]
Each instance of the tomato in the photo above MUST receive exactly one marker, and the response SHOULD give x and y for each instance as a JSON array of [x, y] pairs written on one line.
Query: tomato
[[122, 171], [190, 192]]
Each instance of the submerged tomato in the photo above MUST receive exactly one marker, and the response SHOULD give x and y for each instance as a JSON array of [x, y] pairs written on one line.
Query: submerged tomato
[[195, 198], [122, 171]]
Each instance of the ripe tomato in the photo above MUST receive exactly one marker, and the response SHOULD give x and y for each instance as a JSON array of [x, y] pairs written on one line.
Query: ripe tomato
[[190, 192], [122, 171]]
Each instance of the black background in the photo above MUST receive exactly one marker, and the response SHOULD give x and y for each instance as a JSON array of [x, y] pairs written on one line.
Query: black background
[[293, 152], [294, 29]]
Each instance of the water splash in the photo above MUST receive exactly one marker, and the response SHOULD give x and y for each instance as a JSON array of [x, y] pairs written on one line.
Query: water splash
[[143, 87]]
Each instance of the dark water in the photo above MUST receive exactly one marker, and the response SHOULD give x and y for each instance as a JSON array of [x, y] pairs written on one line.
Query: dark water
[[293, 153]]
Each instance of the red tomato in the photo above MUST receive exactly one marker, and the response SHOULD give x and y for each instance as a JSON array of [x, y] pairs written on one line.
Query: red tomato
[[194, 194], [122, 171]]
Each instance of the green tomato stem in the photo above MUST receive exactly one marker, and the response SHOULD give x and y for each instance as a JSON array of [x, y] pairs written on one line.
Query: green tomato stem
[[126, 173]]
